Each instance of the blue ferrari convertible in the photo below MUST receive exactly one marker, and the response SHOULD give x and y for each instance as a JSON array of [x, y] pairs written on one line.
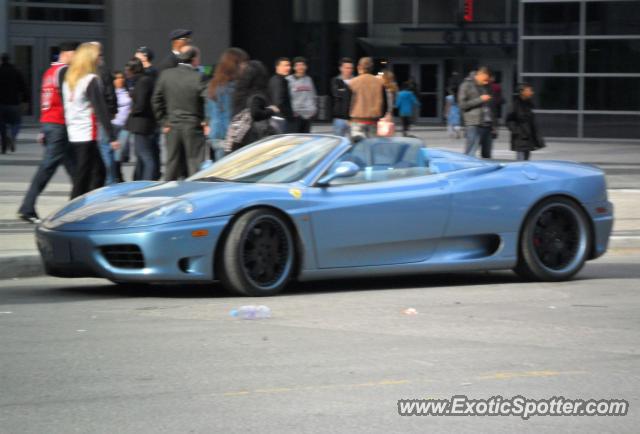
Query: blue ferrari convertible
[[318, 206]]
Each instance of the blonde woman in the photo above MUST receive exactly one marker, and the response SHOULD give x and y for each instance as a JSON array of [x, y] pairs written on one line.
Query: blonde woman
[[390, 90], [84, 108]]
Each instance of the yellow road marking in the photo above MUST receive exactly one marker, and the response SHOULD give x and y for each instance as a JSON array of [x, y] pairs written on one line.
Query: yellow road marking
[[318, 387], [527, 374], [244, 392]]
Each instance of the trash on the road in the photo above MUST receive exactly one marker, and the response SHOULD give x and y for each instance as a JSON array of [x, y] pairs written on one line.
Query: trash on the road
[[410, 311], [251, 312], [6, 313], [81, 331], [552, 307]]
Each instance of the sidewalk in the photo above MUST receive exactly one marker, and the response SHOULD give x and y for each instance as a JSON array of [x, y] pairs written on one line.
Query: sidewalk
[[19, 257]]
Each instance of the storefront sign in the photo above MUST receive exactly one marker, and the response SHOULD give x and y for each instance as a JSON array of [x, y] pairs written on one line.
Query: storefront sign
[[468, 11], [460, 37]]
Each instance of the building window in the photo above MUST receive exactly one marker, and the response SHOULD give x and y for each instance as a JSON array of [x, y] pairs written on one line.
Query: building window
[[551, 56], [612, 126], [551, 18], [612, 93], [557, 125], [66, 2], [56, 14], [555, 93], [392, 11], [490, 11], [613, 18], [620, 56], [437, 11]]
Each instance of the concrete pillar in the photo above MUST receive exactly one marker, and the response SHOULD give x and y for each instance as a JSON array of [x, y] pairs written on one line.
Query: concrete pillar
[[352, 19]]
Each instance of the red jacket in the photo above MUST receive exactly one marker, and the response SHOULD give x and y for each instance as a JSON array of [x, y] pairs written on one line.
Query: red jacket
[[51, 106]]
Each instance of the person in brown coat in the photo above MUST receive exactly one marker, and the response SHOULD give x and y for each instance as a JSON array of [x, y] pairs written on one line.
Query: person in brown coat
[[368, 101]]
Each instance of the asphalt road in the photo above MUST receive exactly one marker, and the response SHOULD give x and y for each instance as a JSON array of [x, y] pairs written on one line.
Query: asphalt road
[[87, 356]]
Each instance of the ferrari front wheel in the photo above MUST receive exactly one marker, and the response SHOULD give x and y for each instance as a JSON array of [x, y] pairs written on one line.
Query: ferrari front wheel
[[258, 254], [555, 241]]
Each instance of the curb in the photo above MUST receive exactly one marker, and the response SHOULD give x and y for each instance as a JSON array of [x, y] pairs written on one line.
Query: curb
[[21, 266], [12, 267]]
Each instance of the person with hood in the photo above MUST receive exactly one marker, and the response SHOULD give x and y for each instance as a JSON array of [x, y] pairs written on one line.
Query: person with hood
[[474, 99], [303, 96], [252, 93], [406, 103], [521, 121]]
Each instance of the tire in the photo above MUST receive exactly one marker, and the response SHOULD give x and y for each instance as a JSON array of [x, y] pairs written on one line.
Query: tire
[[258, 254], [555, 241]]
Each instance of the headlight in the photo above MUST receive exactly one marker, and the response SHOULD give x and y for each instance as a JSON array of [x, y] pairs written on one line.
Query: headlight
[[161, 212]]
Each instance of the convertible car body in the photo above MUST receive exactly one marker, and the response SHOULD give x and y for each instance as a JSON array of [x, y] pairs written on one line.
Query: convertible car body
[[317, 206]]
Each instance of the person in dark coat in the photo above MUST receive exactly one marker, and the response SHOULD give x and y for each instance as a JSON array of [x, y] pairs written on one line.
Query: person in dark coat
[[341, 94], [179, 39], [521, 121], [13, 92], [141, 123], [279, 91], [178, 104], [252, 92]]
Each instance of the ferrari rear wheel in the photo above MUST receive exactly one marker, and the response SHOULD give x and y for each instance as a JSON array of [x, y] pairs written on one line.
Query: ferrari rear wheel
[[258, 254], [555, 241]]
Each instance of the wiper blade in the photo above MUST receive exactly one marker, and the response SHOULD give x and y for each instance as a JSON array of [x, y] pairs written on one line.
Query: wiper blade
[[212, 179]]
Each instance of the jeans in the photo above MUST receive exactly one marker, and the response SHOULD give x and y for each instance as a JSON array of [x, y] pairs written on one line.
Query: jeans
[[523, 155], [360, 131], [299, 125], [341, 127], [217, 147], [11, 119], [478, 135], [145, 156], [108, 156], [57, 151]]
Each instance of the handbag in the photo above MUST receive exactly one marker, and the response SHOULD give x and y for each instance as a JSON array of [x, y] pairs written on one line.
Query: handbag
[[238, 128], [386, 128]]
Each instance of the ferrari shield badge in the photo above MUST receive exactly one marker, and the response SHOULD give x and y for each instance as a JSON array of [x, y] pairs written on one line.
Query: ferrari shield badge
[[295, 192]]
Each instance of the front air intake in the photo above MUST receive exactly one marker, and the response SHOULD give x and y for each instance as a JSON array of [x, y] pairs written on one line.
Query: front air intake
[[124, 256]]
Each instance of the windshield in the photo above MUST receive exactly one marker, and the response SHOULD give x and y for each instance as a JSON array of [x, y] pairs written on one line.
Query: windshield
[[280, 159]]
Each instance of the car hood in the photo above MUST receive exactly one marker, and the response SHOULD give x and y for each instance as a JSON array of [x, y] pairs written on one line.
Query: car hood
[[155, 203]]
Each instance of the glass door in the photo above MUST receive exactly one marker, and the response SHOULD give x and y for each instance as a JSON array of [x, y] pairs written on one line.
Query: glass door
[[428, 75]]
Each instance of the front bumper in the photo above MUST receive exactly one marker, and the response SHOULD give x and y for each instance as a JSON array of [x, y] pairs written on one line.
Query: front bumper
[[171, 253], [601, 214]]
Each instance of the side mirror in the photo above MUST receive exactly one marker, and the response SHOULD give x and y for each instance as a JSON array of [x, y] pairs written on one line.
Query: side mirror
[[344, 169]]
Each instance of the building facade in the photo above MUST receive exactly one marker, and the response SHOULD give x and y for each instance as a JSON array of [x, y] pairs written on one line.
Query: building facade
[[430, 40], [583, 59], [582, 56], [30, 30]]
